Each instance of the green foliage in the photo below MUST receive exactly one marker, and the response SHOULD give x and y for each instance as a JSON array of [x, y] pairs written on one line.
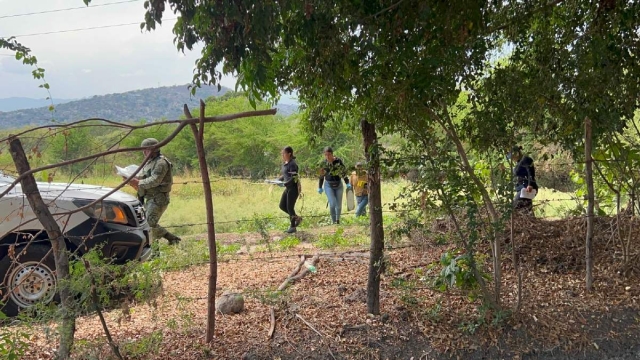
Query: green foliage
[[330, 241], [248, 148], [440, 190], [288, 243], [270, 297], [226, 249], [70, 144], [13, 343], [457, 273], [568, 62], [407, 287], [261, 224], [486, 317], [137, 281], [144, 345], [358, 64]]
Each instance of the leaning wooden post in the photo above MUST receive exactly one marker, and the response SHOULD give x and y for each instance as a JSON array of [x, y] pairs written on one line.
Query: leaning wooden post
[[42, 213], [198, 135]]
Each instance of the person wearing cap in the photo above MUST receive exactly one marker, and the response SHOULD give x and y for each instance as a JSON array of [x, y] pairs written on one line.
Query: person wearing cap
[[359, 182], [291, 183], [333, 170], [524, 173], [153, 186]]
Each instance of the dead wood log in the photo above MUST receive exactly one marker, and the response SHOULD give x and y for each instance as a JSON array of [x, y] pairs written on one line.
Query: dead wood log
[[305, 270], [299, 272], [272, 317], [295, 271]]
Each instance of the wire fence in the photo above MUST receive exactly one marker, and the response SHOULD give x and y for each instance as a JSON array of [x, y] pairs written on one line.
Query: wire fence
[[265, 220], [570, 204]]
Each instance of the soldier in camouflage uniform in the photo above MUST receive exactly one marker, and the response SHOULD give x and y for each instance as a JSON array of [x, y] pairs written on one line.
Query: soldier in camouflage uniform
[[154, 186]]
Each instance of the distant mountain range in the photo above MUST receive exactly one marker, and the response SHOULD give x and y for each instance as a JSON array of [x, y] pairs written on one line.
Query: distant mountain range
[[150, 104], [19, 103]]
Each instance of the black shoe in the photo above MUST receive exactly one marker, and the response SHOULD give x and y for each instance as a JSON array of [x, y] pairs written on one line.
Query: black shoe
[[290, 230], [297, 220], [173, 240]]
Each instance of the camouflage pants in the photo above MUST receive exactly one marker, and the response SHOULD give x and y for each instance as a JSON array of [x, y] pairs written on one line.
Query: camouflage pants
[[155, 205]]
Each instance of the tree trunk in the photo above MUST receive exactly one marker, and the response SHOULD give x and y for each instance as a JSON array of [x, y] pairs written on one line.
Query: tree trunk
[[495, 244], [376, 265], [590, 201], [42, 213], [486, 198], [198, 135], [516, 266]]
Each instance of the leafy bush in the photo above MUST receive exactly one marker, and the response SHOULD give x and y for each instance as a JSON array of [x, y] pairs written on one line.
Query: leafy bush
[[456, 272], [13, 342], [288, 243], [330, 241]]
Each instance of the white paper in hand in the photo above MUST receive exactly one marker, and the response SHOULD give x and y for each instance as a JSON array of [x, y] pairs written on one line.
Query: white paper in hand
[[274, 182], [524, 194], [126, 171]]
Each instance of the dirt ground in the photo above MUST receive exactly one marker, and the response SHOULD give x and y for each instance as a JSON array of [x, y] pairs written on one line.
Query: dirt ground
[[324, 315]]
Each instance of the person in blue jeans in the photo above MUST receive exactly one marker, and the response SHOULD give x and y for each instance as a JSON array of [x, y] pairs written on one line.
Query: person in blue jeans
[[332, 173], [359, 182]]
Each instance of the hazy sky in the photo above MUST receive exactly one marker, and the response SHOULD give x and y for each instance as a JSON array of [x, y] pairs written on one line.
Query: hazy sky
[[91, 62]]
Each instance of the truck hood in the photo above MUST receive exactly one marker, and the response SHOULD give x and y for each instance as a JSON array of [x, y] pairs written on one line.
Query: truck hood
[[79, 191]]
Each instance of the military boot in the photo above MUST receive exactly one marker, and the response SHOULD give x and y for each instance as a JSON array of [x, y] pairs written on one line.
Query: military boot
[[173, 240]]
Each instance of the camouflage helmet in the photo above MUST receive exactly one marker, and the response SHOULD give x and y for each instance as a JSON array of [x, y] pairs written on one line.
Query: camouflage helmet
[[149, 142]]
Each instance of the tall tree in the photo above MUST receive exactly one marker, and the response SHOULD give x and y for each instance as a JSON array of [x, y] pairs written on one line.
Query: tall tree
[[572, 64], [393, 63]]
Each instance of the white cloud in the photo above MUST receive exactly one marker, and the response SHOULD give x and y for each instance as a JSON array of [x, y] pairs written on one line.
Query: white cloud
[[107, 58], [10, 65], [137, 73]]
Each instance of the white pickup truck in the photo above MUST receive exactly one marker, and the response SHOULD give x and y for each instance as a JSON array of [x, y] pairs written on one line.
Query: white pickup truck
[[117, 224]]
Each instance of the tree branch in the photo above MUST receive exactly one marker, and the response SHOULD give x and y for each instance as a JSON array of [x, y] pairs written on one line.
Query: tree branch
[[391, 7], [96, 304], [111, 123], [520, 18], [181, 125]]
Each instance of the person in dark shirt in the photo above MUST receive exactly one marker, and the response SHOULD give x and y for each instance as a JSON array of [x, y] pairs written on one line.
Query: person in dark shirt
[[291, 184], [332, 172], [524, 173]]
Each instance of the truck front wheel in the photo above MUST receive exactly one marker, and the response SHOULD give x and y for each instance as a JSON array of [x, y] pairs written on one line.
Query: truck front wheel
[[28, 279]]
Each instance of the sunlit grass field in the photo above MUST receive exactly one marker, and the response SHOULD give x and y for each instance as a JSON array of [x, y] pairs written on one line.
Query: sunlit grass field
[[243, 205], [239, 204]]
